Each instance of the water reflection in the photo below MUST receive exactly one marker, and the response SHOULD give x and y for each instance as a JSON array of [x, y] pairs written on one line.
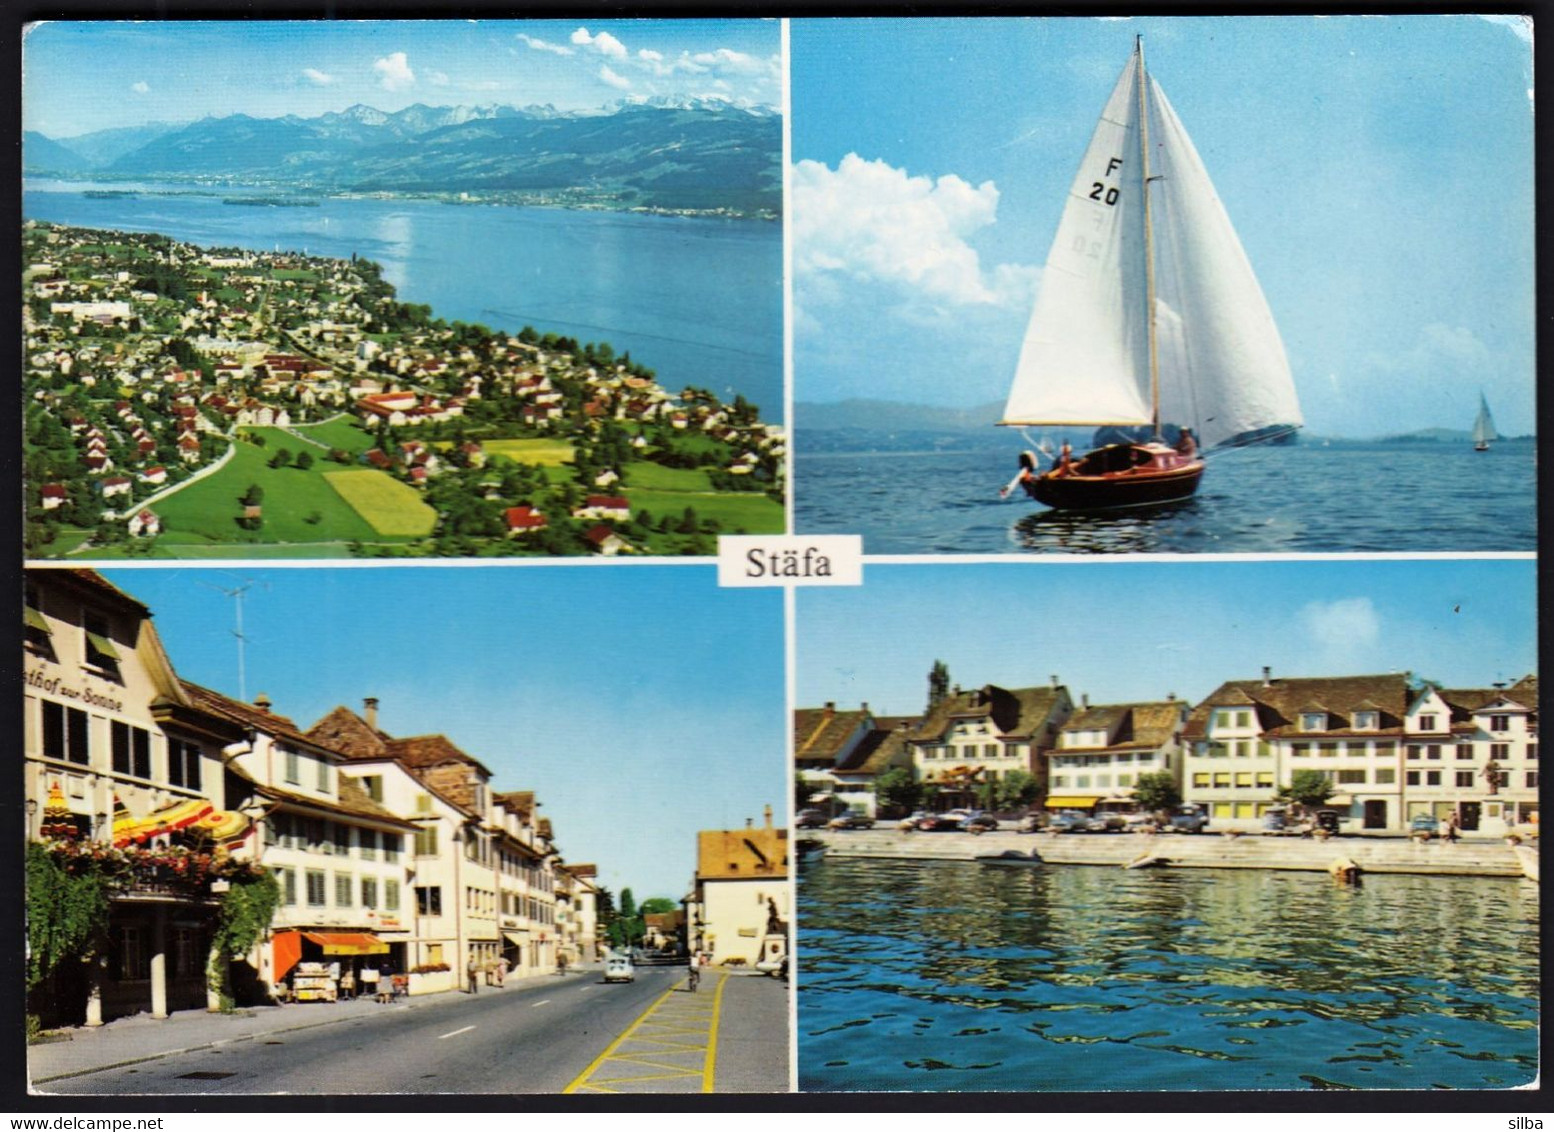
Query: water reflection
[[996, 979]]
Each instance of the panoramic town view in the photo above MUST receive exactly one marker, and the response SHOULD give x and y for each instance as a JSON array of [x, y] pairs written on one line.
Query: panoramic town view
[[465, 888], [1055, 854]]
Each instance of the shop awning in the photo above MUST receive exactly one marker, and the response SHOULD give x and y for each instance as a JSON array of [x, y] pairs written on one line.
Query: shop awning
[[348, 943], [103, 646], [518, 937], [1072, 801], [286, 948], [35, 620]]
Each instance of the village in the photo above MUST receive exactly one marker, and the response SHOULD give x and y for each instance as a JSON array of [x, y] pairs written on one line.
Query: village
[[180, 400]]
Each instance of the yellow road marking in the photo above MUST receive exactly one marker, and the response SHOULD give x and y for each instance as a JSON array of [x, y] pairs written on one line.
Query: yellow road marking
[[688, 1020]]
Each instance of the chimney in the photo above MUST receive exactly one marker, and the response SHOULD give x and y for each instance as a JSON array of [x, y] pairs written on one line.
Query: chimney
[[1170, 697], [262, 702], [749, 823], [830, 706], [1267, 676], [370, 711], [863, 706], [768, 815], [1084, 700], [1054, 680]]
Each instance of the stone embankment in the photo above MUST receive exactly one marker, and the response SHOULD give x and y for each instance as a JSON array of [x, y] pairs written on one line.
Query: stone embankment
[[1205, 851]]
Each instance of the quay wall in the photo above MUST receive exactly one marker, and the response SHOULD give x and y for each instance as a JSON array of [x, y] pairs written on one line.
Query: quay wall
[[1201, 851]]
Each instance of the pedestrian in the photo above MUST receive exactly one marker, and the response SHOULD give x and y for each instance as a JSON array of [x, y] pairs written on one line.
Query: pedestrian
[[501, 972], [695, 973], [370, 982], [348, 984], [474, 975], [1451, 828]]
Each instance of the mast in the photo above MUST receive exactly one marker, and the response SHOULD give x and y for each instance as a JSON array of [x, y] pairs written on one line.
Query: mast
[[1149, 248]]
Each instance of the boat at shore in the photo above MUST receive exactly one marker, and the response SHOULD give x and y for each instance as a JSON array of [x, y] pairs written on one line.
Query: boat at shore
[[1149, 315], [1011, 857]]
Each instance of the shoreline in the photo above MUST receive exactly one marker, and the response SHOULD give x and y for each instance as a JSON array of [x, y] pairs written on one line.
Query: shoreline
[[1487, 858]]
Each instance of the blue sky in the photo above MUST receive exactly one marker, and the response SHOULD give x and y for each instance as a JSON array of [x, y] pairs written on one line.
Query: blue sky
[[81, 77], [1138, 630], [641, 704], [1378, 170]]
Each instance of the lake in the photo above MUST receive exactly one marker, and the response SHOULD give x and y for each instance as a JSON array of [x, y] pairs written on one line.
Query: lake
[[948, 976], [1302, 498], [699, 300]]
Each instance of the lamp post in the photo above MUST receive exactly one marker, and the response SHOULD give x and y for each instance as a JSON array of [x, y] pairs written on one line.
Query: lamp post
[[31, 806]]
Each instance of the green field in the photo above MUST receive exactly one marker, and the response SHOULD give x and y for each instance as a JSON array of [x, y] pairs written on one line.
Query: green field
[[656, 477], [750, 512], [342, 432], [392, 507], [207, 511], [538, 451]]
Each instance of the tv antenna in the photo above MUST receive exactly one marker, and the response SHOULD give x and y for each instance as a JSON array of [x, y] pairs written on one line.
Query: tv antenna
[[236, 594]]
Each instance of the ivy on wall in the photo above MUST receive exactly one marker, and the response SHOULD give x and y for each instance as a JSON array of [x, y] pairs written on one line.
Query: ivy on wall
[[67, 909]]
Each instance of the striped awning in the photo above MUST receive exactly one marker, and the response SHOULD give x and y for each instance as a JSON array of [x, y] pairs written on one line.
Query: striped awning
[[169, 819]]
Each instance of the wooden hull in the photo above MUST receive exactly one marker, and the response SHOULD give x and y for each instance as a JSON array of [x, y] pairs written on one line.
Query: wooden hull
[[1150, 475]]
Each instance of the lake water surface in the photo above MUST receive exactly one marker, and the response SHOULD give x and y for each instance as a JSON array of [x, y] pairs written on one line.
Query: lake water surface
[[699, 300], [1301, 498], [951, 976]]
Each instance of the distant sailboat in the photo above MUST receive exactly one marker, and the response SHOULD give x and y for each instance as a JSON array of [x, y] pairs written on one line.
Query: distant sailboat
[[1149, 314], [1483, 427]]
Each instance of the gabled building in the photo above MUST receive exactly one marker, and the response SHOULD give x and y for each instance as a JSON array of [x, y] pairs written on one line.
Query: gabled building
[[840, 753], [971, 738], [741, 891], [1102, 750], [1249, 737], [1472, 754]]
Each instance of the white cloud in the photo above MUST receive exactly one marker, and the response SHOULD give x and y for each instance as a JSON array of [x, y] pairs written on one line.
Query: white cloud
[[542, 45], [141, 88], [869, 221], [604, 43], [316, 77], [650, 56], [617, 81], [437, 78], [394, 71], [732, 62], [1342, 626]]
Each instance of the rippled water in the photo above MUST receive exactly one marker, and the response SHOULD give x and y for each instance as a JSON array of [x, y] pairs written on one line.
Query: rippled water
[[1297, 499], [950, 976]]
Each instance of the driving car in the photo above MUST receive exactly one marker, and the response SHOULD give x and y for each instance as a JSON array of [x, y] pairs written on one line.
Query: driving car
[[619, 969], [851, 821], [809, 819]]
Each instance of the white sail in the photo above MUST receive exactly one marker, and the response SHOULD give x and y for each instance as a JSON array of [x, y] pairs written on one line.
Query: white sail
[[1484, 426], [1085, 359]]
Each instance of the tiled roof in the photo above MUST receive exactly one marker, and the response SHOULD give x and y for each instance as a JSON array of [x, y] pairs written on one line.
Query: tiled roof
[[419, 752], [1280, 702], [1143, 726], [742, 854], [248, 715], [884, 746], [349, 734], [819, 734], [1016, 712], [98, 585]]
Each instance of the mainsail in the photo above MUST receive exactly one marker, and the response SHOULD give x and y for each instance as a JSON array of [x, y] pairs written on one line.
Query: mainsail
[[1484, 426], [1085, 359]]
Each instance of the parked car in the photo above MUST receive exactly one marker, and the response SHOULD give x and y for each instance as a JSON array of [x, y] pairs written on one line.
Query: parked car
[[1069, 821], [1425, 823], [1275, 820], [1190, 819], [1140, 822], [1328, 820], [941, 823], [619, 969], [809, 819], [978, 822], [1107, 821], [909, 823], [1032, 823], [851, 821]]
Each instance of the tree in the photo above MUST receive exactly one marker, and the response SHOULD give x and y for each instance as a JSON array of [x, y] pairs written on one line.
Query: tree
[[281, 458], [1309, 788], [896, 791], [1016, 789], [803, 791], [304, 460], [657, 906], [253, 496], [1157, 791], [938, 683]]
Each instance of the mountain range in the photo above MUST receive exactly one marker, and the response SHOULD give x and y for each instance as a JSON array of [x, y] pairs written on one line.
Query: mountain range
[[660, 153]]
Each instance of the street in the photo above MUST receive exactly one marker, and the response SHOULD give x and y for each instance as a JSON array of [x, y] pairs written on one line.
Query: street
[[544, 1036]]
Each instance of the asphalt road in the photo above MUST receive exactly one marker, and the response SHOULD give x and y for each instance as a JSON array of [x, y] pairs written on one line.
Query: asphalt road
[[534, 1040]]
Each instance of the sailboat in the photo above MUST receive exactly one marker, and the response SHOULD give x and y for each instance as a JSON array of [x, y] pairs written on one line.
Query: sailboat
[[1483, 427], [1149, 317]]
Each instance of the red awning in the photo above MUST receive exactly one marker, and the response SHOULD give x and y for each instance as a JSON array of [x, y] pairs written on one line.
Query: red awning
[[348, 943], [286, 948]]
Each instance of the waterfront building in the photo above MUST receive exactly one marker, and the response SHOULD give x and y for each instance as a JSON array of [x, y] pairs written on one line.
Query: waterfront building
[[971, 738], [117, 759], [1471, 754], [336, 851], [741, 891], [841, 753], [1102, 750]]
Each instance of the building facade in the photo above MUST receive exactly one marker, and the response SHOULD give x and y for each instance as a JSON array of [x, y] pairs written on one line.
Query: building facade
[[741, 893]]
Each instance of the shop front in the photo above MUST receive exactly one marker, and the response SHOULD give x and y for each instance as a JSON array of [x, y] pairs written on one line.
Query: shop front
[[314, 966]]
